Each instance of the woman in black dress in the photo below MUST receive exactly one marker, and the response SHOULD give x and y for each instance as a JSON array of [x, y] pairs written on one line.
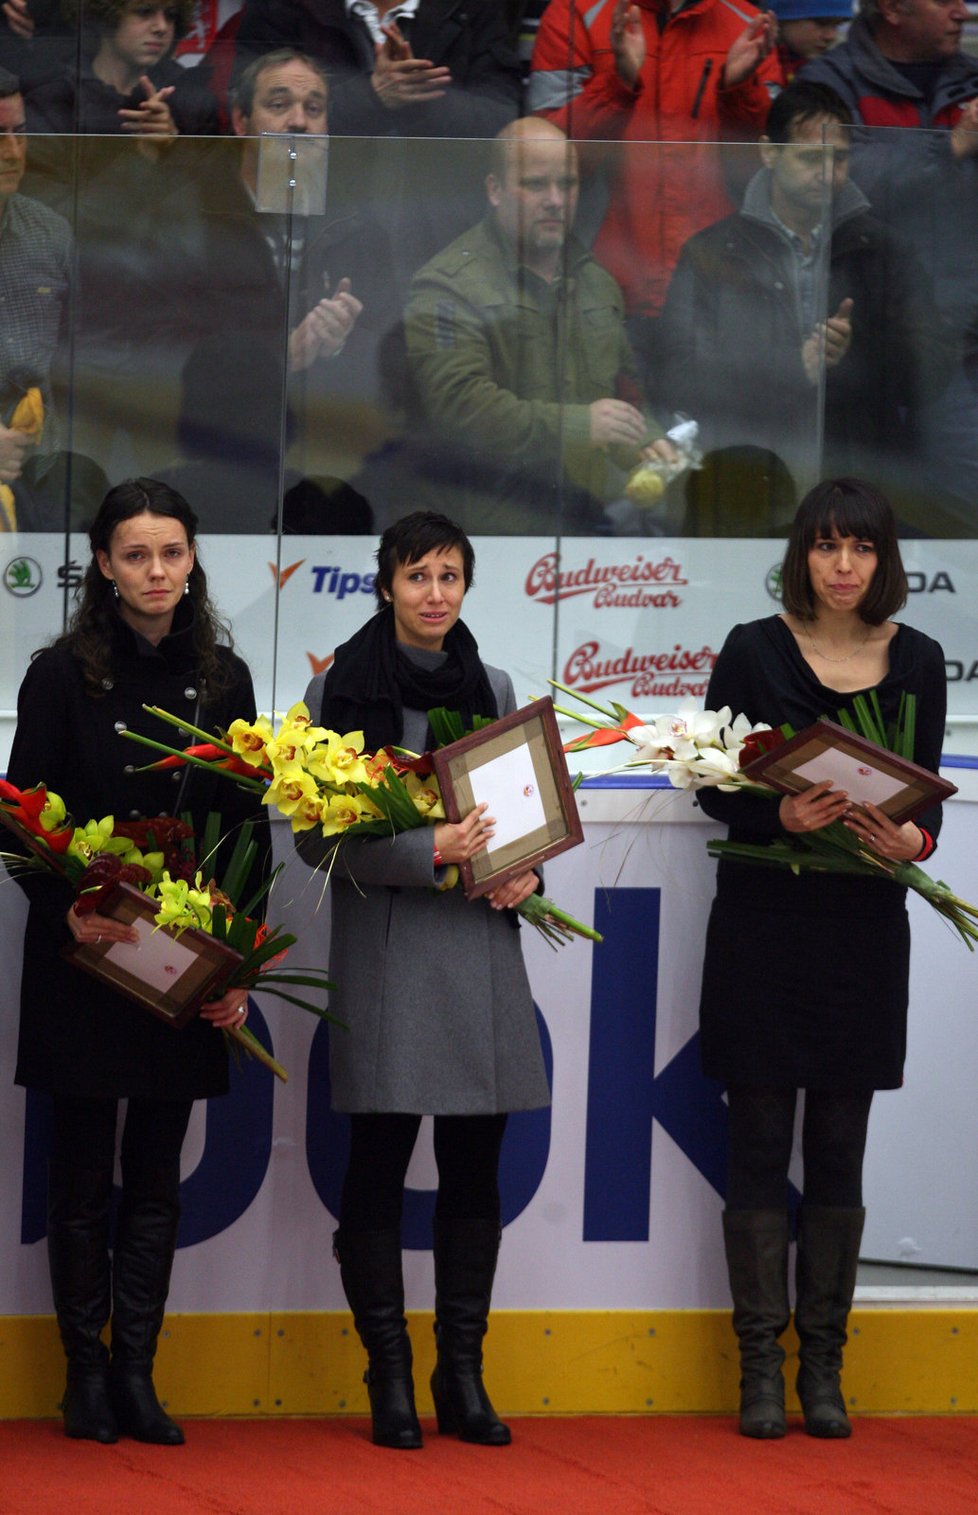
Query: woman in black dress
[[144, 632], [805, 978]]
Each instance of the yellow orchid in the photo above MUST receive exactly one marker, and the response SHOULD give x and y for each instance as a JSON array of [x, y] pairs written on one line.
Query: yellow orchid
[[426, 796], [182, 907], [291, 787], [54, 813], [339, 759], [95, 838], [249, 738], [308, 813], [344, 810]]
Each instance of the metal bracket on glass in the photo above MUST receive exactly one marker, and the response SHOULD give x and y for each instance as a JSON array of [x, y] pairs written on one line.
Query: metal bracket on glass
[[292, 174]]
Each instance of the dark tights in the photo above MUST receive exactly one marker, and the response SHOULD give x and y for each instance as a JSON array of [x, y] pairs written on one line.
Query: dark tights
[[467, 1154], [84, 1132], [833, 1142]]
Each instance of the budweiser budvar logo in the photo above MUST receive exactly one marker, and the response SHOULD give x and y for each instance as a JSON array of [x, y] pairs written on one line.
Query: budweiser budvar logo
[[642, 584], [682, 673]]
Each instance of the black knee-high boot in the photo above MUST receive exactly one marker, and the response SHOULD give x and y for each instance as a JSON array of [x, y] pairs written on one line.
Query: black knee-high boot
[[825, 1279], [146, 1238], [79, 1200], [373, 1281], [756, 1244], [465, 1265]]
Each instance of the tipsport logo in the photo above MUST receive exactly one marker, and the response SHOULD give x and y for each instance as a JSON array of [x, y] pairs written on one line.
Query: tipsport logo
[[327, 578]]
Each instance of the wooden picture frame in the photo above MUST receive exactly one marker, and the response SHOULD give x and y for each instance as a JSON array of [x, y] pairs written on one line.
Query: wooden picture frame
[[899, 788], [518, 765], [170, 975]]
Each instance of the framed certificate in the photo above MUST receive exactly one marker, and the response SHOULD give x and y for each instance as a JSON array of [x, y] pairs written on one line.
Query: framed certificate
[[517, 767], [170, 975], [865, 772]]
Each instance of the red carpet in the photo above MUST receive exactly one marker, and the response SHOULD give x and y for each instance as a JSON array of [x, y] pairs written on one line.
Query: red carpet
[[588, 1466]]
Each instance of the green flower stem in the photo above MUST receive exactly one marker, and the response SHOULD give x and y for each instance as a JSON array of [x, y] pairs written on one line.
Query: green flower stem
[[604, 710], [550, 920], [182, 725], [253, 1047]]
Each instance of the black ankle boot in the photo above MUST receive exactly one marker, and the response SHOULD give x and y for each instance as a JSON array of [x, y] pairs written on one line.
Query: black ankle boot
[[756, 1245], [79, 1200], [465, 1265], [146, 1238], [370, 1268], [825, 1278]]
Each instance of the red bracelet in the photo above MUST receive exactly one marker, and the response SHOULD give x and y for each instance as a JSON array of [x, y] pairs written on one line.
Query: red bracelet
[[926, 846], [438, 859]]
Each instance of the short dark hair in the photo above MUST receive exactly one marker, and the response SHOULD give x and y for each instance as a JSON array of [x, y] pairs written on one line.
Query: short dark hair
[[799, 102], [410, 539], [852, 508], [9, 84], [245, 84]]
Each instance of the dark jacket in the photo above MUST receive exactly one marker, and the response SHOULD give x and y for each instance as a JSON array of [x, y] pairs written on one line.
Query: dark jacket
[[77, 101], [76, 1037], [467, 36], [909, 175], [506, 368], [732, 338]]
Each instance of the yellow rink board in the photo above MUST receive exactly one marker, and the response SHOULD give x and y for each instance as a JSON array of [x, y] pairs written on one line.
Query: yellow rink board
[[568, 1362]]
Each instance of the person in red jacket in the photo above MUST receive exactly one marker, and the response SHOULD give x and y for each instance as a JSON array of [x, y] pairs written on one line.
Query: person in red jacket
[[680, 78]]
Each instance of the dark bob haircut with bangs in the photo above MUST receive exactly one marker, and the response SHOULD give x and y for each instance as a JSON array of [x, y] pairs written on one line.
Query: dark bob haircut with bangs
[[851, 508], [412, 538]]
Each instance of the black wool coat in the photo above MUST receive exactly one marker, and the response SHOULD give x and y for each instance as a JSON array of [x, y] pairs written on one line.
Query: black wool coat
[[76, 1037]]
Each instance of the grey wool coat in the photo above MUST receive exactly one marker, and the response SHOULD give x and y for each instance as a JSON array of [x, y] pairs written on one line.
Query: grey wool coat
[[432, 988]]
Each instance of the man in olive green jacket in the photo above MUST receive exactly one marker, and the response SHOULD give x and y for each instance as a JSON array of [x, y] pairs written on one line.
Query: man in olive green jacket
[[529, 404]]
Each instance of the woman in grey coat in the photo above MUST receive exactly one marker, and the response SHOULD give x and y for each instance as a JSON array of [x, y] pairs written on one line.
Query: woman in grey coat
[[432, 989]]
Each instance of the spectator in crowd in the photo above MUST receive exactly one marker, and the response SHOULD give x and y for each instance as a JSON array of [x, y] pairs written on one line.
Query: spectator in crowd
[[35, 40], [35, 275], [517, 346], [806, 30], [901, 66], [320, 279], [400, 74], [680, 79], [744, 340], [418, 68], [127, 80]]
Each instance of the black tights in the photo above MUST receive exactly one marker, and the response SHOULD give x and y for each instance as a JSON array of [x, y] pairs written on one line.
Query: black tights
[[833, 1142], [467, 1154], [84, 1132]]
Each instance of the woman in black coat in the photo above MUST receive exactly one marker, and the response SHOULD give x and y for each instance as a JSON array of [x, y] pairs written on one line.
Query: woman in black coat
[[144, 633], [805, 983]]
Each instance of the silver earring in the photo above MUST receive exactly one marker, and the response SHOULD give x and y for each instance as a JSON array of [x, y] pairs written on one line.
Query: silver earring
[[115, 588], [186, 586]]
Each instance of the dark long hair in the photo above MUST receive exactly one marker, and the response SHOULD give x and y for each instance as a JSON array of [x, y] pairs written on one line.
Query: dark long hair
[[853, 508], [89, 636]]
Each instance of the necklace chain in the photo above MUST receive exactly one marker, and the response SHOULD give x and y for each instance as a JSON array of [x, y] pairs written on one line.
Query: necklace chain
[[824, 655]]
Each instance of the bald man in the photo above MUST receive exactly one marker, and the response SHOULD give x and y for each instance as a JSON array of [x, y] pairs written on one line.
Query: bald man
[[517, 346]]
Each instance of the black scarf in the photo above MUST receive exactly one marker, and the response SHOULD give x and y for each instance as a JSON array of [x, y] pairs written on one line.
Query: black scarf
[[372, 679]]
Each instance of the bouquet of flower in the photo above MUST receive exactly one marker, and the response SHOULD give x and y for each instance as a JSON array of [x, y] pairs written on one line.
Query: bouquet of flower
[[323, 779], [700, 749], [158, 857]]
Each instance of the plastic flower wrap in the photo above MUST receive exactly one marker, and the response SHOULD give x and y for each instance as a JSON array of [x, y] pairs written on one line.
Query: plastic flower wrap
[[648, 482]]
